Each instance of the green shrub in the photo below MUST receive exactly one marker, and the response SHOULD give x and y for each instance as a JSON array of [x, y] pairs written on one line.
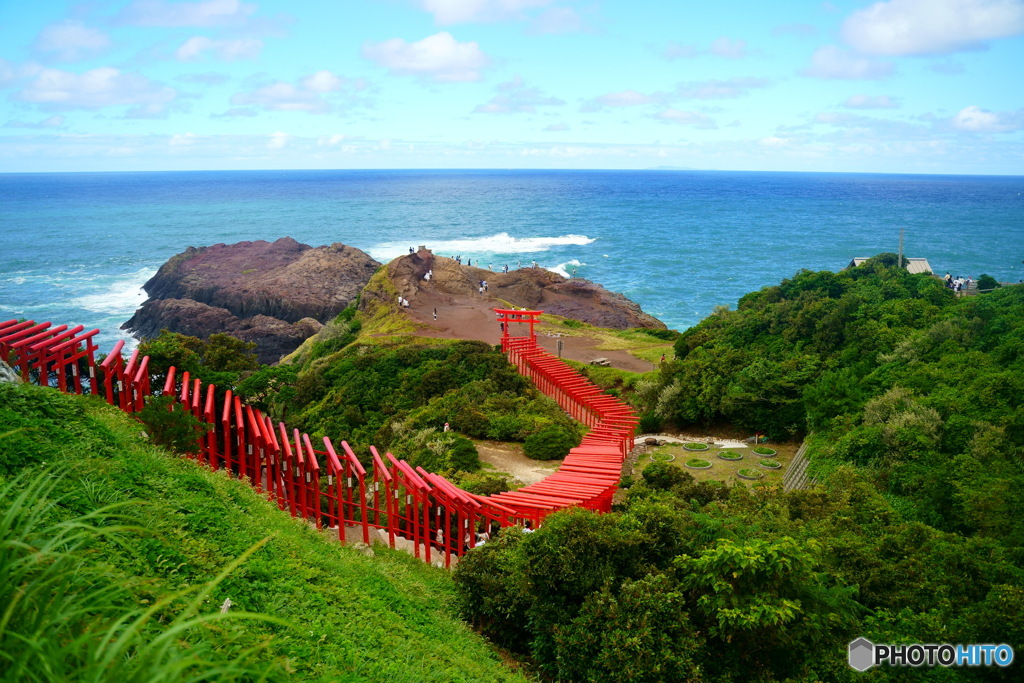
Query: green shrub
[[664, 476], [650, 423], [986, 281], [552, 442], [171, 426], [572, 323]]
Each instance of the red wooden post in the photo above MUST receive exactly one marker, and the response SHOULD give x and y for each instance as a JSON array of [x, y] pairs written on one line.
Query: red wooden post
[[111, 367]]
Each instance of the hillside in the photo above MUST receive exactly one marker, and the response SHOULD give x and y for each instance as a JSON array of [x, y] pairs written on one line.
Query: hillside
[[342, 616]]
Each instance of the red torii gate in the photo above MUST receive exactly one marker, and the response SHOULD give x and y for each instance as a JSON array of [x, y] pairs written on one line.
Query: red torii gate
[[507, 316]]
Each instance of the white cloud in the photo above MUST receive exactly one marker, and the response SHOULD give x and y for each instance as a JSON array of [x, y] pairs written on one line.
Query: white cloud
[[686, 118], [9, 71], [831, 61], [203, 14], [974, 119], [724, 46], [869, 102], [330, 140], [323, 81], [70, 41], [514, 97], [438, 57], [225, 50], [676, 50], [447, 12], [55, 121], [931, 27], [278, 140], [103, 87], [718, 90], [306, 95], [624, 98], [557, 127], [182, 139]]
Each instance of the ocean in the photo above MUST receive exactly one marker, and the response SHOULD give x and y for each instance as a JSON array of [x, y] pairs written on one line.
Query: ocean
[[77, 247]]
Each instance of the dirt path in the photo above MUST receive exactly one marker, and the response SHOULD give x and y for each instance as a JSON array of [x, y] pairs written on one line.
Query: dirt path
[[472, 317], [509, 458]]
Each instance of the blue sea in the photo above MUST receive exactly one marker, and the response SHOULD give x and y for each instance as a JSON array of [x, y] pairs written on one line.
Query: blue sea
[[77, 247]]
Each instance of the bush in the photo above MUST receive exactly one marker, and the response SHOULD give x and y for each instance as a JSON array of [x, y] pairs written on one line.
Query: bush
[[171, 426], [572, 323], [661, 475], [552, 442], [986, 281], [650, 423]]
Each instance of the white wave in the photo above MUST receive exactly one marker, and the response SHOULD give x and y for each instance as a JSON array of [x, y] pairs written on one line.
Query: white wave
[[563, 268], [122, 296], [501, 243]]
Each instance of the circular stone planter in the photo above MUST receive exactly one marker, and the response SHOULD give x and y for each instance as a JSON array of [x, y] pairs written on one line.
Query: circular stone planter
[[770, 464], [695, 446], [731, 456], [749, 474], [698, 464], [662, 457], [764, 452]]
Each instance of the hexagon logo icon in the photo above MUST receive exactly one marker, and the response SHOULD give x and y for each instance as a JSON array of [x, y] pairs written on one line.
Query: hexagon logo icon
[[862, 654]]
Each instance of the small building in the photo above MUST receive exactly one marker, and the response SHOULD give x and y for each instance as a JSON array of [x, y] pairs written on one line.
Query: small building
[[914, 265]]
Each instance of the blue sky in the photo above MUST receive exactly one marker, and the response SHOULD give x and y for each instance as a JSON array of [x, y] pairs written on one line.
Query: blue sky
[[906, 86]]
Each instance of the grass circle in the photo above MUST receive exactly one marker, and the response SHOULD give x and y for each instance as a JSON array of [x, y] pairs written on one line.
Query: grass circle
[[730, 455], [662, 457], [698, 464], [749, 473], [770, 464], [695, 446], [764, 451]]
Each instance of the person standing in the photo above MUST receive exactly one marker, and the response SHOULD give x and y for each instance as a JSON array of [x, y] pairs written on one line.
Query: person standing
[[435, 314]]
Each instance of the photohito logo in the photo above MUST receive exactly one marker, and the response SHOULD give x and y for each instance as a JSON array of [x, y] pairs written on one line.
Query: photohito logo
[[863, 654]]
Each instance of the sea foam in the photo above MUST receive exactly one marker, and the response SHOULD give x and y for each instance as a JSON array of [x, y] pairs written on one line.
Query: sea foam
[[119, 295], [563, 268], [502, 243]]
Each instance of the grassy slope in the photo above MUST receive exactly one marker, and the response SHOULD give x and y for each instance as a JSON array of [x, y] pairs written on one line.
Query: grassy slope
[[353, 617]]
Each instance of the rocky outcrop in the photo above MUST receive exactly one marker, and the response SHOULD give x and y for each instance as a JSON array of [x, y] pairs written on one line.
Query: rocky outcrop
[[534, 288], [273, 293]]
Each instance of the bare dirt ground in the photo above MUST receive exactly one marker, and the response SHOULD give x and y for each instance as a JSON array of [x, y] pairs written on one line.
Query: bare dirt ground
[[472, 317], [506, 457]]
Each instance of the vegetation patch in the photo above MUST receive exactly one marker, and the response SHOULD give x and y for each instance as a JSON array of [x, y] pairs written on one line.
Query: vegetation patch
[[730, 455], [770, 464], [749, 473], [765, 451], [698, 463], [662, 456], [695, 446]]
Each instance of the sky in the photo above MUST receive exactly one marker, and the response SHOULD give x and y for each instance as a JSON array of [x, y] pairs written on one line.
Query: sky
[[899, 86]]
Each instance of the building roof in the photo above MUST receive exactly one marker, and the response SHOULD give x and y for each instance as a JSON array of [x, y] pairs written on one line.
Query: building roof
[[914, 265]]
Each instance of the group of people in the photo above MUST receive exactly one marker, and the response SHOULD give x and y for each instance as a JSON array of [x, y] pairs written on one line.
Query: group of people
[[957, 284], [403, 302], [482, 536], [428, 275]]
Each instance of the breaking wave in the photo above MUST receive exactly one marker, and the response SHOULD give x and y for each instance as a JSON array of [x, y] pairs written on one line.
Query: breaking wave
[[501, 243]]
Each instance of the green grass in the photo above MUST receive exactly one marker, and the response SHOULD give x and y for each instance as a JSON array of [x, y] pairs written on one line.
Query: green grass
[[153, 544]]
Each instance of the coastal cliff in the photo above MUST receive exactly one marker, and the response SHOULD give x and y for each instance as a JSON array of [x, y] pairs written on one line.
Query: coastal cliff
[[275, 294]]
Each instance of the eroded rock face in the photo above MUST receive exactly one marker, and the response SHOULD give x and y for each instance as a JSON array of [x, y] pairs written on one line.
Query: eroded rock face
[[273, 293], [534, 288]]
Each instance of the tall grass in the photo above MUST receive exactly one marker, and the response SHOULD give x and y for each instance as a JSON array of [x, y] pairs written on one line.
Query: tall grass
[[65, 616]]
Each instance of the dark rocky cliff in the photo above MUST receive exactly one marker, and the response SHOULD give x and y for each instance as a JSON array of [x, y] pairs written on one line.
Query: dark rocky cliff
[[273, 293]]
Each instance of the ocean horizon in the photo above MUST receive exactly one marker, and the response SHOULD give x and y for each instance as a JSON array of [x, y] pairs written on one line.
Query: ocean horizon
[[78, 246]]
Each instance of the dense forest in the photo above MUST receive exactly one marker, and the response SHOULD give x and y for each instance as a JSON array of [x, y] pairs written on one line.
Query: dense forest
[[914, 405]]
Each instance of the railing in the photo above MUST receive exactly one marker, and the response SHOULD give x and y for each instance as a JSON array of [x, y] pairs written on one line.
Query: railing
[[332, 487]]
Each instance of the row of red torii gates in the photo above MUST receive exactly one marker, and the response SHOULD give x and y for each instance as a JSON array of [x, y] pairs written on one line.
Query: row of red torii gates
[[331, 486]]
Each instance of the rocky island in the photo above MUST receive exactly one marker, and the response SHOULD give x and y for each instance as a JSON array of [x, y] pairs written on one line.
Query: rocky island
[[275, 294]]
